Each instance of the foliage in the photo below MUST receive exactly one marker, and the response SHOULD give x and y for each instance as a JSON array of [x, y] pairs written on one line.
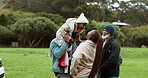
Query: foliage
[[3, 20], [10, 18], [133, 12], [6, 36], [13, 17], [21, 15], [136, 36], [32, 31], [140, 36], [59, 20]]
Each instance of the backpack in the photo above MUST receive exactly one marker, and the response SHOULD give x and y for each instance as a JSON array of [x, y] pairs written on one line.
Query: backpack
[[120, 60]]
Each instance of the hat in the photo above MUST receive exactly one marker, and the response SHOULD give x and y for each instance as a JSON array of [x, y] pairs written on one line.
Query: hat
[[82, 19], [109, 28]]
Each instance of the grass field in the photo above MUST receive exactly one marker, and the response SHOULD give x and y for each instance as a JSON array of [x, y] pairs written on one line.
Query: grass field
[[34, 63]]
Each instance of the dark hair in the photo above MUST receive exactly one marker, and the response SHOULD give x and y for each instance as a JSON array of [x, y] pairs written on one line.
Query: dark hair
[[95, 36]]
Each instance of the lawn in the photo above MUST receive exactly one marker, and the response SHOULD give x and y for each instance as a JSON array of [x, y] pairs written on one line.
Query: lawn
[[34, 63]]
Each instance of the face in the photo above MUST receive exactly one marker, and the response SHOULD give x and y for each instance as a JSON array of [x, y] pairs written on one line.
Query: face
[[105, 32], [80, 27], [93, 35]]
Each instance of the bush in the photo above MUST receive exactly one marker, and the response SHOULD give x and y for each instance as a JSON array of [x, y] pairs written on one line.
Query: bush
[[59, 20], [6, 36], [33, 31], [135, 37], [140, 36], [3, 20]]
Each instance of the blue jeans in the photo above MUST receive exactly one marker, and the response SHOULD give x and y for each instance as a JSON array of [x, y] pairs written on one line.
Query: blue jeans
[[114, 77]]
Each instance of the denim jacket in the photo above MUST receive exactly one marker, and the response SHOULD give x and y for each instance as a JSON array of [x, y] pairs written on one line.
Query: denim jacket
[[58, 52]]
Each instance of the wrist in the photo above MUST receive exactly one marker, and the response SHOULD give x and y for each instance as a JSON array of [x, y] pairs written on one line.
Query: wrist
[[67, 42]]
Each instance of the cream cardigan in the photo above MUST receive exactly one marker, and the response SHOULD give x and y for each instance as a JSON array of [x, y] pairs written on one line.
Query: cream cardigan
[[83, 59]]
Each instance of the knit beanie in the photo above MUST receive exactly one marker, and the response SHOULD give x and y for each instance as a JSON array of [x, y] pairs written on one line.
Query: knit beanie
[[109, 28], [82, 19]]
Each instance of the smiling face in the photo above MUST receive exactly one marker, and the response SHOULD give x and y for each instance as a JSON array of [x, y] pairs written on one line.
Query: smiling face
[[105, 34], [80, 27]]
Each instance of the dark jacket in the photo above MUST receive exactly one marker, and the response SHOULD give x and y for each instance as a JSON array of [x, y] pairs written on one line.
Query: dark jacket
[[109, 62]]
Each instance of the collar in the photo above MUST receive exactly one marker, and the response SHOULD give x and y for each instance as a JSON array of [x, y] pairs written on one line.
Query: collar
[[91, 43], [110, 40]]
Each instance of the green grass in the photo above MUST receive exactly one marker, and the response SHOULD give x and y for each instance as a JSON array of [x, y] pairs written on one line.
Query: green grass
[[135, 64], [26, 62], [34, 63]]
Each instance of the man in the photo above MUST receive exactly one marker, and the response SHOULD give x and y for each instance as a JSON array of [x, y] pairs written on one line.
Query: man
[[63, 46], [109, 63], [84, 56], [1, 69]]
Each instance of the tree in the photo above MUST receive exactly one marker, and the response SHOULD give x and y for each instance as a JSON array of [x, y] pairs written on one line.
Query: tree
[[59, 20], [6, 36], [139, 36], [32, 31], [133, 12], [3, 20]]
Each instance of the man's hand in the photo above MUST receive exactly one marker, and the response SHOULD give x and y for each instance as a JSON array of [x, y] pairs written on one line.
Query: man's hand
[[68, 39]]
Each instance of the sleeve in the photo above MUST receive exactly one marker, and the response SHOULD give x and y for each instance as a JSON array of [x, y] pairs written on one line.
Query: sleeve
[[58, 51], [77, 56], [74, 65], [113, 58], [61, 32]]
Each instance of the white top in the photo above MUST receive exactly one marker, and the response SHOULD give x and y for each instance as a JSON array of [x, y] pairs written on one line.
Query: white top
[[2, 70]]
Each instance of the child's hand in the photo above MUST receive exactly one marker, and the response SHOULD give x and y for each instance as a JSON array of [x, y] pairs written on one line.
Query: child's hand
[[78, 38]]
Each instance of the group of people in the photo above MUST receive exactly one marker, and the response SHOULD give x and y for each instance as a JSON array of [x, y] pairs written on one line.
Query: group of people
[[96, 57]]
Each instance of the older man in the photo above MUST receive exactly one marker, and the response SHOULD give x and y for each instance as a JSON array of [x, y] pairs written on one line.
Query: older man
[[84, 56], [110, 60]]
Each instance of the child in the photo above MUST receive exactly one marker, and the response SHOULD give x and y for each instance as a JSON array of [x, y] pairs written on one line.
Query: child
[[68, 27]]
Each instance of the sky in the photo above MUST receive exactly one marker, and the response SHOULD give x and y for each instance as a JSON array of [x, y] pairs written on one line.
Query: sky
[[123, 0], [117, 5]]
